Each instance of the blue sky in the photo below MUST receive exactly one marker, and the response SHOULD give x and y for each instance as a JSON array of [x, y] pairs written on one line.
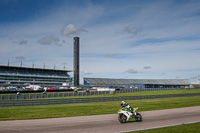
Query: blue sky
[[133, 39]]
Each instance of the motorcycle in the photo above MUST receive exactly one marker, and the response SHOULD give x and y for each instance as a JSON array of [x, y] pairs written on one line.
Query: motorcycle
[[125, 115]]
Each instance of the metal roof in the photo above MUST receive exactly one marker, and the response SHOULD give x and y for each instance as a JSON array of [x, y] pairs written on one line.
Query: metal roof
[[108, 81], [33, 69]]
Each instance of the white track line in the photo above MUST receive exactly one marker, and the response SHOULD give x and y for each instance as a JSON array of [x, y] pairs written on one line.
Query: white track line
[[158, 127]]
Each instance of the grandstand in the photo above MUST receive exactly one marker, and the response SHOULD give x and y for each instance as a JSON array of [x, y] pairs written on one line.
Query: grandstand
[[20, 76], [138, 83]]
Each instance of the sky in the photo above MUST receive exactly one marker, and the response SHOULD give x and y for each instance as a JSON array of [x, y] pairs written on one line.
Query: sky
[[122, 39]]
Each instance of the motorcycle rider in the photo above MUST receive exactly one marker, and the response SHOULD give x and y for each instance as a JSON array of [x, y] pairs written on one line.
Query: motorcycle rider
[[126, 106]]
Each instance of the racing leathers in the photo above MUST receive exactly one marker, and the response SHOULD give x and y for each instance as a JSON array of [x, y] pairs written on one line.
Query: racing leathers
[[126, 106]]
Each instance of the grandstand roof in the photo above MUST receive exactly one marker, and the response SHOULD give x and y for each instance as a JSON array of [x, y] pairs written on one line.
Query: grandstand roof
[[33, 69], [107, 81]]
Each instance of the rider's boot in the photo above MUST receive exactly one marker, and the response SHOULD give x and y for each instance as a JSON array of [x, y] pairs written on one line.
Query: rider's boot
[[133, 114]]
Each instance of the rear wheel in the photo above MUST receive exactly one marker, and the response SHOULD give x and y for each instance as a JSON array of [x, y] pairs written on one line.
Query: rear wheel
[[122, 118], [138, 117]]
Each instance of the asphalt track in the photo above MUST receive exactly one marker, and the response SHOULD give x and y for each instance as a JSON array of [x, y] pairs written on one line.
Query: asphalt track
[[102, 123]]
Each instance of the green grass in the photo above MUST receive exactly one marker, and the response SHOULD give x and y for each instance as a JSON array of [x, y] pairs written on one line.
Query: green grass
[[160, 92], [80, 109], [155, 92], [139, 93], [184, 128]]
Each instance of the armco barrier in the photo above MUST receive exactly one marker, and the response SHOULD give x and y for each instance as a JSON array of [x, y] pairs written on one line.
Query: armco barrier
[[68, 94], [36, 102]]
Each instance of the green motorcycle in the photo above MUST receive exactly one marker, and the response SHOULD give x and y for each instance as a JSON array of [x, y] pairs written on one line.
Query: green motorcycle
[[125, 115]]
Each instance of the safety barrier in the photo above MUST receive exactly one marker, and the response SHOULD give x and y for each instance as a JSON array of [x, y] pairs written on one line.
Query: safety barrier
[[68, 94], [36, 102]]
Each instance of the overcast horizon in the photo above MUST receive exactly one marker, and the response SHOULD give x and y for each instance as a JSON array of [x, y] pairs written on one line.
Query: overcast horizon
[[128, 39]]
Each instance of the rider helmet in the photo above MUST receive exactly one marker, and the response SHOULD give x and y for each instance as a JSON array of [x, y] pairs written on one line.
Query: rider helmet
[[123, 103]]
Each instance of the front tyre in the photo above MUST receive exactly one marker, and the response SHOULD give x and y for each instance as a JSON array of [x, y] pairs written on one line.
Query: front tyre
[[122, 118], [138, 117]]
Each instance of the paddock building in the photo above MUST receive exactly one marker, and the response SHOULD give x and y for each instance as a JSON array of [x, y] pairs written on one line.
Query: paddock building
[[138, 83]]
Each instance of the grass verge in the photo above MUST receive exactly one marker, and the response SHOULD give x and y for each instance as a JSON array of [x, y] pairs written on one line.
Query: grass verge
[[183, 128], [80, 109], [158, 92]]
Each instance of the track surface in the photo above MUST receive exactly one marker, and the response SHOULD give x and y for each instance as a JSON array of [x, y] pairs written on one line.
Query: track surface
[[101, 123]]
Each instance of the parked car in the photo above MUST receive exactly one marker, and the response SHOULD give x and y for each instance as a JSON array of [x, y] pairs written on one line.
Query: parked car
[[64, 88]]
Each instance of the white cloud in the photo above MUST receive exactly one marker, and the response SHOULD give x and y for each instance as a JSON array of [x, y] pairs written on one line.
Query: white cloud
[[133, 30], [21, 42], [193, 77], [131, 71], [86, 72], [111, 55], [147, 67], [49, 40], [20, 57], [72, 30]]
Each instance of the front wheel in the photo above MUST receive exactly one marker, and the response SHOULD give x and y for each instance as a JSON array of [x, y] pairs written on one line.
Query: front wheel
[[122, 118], [138, 117]]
